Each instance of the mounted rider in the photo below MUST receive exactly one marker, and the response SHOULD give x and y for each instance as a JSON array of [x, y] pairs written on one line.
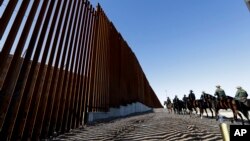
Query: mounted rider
[[241, 95], [191, 97], [176, 99], [185, 99], [203, 98], [168, 100], [221, 95]]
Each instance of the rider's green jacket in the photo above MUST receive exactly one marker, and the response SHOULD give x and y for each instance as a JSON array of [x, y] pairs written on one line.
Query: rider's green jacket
[[220, 93], [240, 93]]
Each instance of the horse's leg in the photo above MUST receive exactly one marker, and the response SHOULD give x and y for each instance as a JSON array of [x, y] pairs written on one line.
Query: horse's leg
[[196, 110], [212, 112], [242, 120], [201, 112], [190, 112], [245, 113], [235, 112], [216, 114], [206, 111]]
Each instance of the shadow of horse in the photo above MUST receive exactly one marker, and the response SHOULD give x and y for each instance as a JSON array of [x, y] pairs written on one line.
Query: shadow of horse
[[228, 103], [169, 106]]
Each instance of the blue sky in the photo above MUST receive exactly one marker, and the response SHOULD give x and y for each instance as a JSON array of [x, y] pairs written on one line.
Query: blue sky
[[183, 44], [186, 44]]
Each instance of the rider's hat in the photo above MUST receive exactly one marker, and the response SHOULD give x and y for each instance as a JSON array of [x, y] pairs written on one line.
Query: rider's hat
[[203, 92], [218, 86], [239, 87]]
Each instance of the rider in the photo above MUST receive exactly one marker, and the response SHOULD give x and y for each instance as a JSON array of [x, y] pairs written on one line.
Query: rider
[[220, 93], [168, 100], [175, 99], [191, 96], [185, 100], [202, 97], [241, 95]]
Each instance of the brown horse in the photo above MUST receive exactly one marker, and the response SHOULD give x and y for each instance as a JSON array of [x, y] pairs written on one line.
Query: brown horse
[[228, 103], [200, 104], [206, 105], [169, 106], [192, 104]]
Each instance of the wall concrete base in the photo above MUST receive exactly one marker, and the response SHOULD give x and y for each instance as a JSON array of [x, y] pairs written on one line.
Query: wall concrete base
[[118, 112]]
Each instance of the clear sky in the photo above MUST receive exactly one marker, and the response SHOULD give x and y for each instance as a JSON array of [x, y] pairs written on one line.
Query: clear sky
[[186, 44]]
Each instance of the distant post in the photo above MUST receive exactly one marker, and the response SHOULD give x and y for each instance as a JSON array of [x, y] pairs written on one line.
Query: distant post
[[248, 4]]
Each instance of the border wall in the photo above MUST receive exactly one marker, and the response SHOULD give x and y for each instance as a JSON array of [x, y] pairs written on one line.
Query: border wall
[[59, 61]]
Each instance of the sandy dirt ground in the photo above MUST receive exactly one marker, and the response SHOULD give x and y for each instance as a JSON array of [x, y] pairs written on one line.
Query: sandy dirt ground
[[157, 125]]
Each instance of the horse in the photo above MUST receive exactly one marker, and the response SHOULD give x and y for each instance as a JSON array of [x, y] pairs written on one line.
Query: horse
[[179, 106], [207, 104], [169, 106], [228, 103], [191, 104]]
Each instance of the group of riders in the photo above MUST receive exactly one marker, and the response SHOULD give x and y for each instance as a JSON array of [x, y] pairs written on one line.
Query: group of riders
[[220, 101], [241, 95]]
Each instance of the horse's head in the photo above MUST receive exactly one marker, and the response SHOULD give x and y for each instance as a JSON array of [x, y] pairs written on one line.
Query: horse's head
[[209, 97]]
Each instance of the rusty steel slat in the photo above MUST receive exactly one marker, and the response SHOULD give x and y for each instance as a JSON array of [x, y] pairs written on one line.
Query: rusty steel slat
[[106, 79], [107, 107], [57, 115], [89, 92], [4, 54], [70, 99], [4, 20], [28, 90], [121, 73], [97, 84], [25, 67], [57, 74], [63, 74], [92, 103], [82, 55], [86, 79], [98, 68], [12, 75], [71, 76], [74, 67], [102, 73], [80, 69], [39, 82], [52, 101], [45, 90], [115, 67]]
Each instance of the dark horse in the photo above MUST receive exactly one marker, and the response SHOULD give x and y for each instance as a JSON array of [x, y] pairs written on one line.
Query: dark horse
[[179, 106], [228, 103], [169, 106], [206, 105], [194, 104]]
